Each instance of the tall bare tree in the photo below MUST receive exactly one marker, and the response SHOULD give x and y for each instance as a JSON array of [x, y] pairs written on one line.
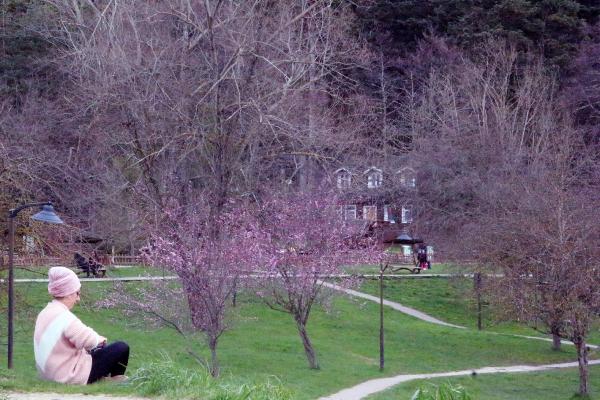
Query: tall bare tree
[[214, 94], [543, 237], [505, 180]]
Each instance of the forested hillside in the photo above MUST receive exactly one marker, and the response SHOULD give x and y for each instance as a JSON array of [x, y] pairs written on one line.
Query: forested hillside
[[108, 98], [553, 27]]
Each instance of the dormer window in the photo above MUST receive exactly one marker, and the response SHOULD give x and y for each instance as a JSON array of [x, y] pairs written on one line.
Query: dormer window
[[374, 177], [343, 178], [407, 177]]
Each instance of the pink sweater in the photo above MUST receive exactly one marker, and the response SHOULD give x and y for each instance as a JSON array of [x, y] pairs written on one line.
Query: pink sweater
[[60, 343]]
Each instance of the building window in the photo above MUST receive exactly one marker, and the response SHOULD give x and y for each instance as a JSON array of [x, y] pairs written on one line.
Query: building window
[[343, 178], [407, 217], [374, 177], [407, 177], [349, 212], [370, 213], [386, 213]]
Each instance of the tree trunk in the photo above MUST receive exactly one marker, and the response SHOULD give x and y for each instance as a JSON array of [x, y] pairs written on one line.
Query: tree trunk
[[234, 297], [583, 366], [308, 347], [381, 333], [555, 338], [214, 361]]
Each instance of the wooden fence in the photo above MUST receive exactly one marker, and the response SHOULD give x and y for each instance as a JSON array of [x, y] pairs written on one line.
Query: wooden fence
[[47, 261], [125, 260], [34, 261]]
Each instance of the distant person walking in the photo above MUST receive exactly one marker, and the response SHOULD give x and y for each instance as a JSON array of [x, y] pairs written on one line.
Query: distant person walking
[[66, 350]]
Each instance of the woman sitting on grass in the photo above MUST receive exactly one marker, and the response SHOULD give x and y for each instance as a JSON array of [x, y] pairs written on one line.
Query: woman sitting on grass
[[67, 351]]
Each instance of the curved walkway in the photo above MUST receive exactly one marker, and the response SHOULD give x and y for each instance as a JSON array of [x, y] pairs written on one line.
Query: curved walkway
[[377, 385], [396, 306], [428, 318], [367, 388]]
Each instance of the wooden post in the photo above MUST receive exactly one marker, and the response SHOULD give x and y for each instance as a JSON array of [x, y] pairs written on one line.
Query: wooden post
[[477, 284], [11, 293], [382, 269]]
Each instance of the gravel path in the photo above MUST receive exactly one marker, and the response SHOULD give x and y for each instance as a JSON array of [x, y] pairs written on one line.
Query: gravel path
[[367, 388], [377, 385], [428, 318], [169, 277], [396, 306]]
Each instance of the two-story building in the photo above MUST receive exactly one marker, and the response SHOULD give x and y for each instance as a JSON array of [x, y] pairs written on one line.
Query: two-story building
[[380, 199], [371, 194]]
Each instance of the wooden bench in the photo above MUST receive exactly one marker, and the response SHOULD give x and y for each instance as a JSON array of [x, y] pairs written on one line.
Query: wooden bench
[[400, 262]]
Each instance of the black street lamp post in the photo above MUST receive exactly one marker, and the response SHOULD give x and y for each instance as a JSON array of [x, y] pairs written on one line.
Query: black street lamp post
[[45, 215]]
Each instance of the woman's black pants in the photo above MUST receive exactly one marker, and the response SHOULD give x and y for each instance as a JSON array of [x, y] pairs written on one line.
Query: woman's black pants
[[110, 360]]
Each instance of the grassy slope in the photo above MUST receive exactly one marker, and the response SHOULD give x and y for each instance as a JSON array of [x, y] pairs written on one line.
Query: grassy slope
[[552, 385], [264, 343], [450, 300]]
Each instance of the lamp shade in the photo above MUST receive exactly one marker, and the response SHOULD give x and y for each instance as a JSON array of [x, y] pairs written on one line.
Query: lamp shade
[[47, 215], [404, 237]]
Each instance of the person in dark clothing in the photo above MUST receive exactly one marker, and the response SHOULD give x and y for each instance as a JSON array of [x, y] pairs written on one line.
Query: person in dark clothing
[[422, 257], [109, 361]]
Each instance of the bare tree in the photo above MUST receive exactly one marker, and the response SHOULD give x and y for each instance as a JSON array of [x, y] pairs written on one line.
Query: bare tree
[[471, 122], [215, 93], [506, 181], [544, 239]]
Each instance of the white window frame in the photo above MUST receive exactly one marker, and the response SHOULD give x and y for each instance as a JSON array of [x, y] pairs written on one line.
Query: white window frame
[[366, 210], [349, 209], [406, 215], [407, 177], [374, 177], [343, 178], [386, 212]]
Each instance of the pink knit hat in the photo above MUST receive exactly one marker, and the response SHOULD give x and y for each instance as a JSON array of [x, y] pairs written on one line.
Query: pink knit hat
[[62, 282]]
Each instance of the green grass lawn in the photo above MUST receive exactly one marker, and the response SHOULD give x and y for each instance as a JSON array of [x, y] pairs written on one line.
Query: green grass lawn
[[451, 300], [551, 385], [264, 344]]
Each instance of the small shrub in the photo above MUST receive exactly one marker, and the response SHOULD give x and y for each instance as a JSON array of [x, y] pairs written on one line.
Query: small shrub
[[162, 377], [442, 392], [165, 378]]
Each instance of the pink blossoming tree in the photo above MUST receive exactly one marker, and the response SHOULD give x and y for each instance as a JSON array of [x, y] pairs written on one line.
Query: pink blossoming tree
[[308, 243], [208, 254]]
